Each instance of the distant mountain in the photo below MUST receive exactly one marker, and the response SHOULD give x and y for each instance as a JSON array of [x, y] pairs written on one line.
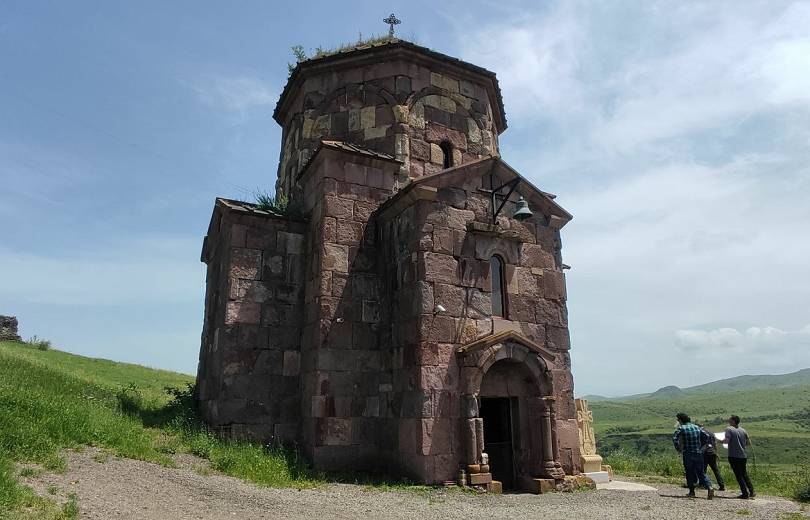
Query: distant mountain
[[760, 382], [667, 392], [801, 377], [594, 398]]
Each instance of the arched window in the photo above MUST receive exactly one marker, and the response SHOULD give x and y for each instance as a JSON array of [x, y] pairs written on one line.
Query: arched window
[[447, 154], [498, 286]]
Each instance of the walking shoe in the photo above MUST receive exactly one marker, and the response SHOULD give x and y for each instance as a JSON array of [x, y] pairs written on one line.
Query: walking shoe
[[744, 497], [721, 488], [711, 494], [691, 494]]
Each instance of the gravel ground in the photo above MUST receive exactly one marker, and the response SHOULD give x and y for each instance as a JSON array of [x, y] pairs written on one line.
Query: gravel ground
[[128, 489]]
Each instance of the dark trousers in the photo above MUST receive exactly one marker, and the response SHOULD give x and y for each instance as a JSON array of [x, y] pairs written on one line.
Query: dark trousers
[[710, 461], [693, 468], [741, 473]]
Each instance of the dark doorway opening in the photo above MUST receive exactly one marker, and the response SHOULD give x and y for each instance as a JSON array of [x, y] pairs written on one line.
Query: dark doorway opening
[[499, 415]]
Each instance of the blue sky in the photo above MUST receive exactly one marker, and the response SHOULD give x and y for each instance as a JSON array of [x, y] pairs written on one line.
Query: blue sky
[[678, 134]]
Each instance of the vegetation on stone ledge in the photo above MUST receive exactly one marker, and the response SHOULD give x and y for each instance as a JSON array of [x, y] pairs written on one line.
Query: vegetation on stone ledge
[[281, 204], [300, 54]]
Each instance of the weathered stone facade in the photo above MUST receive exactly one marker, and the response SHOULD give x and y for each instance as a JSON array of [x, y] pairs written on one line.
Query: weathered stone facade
[[8, 329], [398, 99], [367, 332]]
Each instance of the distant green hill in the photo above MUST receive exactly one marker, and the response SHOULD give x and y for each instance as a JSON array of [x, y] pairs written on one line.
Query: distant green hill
[[595, 398], [800, 377], [775, 409], [667, 392]]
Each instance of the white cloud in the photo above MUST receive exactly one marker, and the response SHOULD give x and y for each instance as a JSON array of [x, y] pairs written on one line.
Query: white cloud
[[623, 76], [754, 341], [239, 94], [739, 66], [677, 135], [536, 58]]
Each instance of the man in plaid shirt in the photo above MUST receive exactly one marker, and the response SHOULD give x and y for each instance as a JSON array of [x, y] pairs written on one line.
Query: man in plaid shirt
[[689, 441]]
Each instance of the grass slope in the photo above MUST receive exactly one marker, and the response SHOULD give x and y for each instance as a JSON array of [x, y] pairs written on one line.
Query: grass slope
[[52, 400]]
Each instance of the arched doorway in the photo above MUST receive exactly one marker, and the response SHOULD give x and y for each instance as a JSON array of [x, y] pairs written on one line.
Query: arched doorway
[[504, 398], [508, 406]]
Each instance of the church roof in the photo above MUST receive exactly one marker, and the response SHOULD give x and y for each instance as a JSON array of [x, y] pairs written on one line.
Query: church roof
[[248, 208], [353, 148], [342, 146], [455, 176], [383, 50], [222, 205]]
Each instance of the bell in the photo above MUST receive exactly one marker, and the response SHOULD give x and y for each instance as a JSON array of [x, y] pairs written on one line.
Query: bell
[[522, 211]]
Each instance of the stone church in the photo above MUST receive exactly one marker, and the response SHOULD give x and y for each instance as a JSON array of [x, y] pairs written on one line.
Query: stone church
[[411, 318]]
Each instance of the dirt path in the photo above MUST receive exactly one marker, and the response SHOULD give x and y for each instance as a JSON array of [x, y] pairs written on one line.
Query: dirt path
[[127, 489]]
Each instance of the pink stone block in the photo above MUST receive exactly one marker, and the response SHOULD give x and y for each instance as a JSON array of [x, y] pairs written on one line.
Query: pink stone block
[[292, 363], [245, 263], [436, 378], [439, 268], [338, 207], [338, 431], [336, 258], [443, 241], [436, 436], [349, 232], [554, 285], [533, 255], [242, 312]]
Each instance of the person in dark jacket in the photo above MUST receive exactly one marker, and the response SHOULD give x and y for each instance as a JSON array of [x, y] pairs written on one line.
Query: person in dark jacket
[[710, 458]]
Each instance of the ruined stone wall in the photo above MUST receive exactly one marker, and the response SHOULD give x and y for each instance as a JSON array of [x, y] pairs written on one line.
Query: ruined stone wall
[[396, 107], [249, 364], [343, 367], [8, 329]]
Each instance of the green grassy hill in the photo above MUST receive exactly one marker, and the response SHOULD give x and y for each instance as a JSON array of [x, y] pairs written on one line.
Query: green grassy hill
[[778, 420], [801, 377], [774, 409], [51, 401]]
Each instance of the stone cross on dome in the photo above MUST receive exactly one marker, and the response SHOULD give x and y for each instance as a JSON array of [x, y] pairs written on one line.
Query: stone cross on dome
[[392, 21]]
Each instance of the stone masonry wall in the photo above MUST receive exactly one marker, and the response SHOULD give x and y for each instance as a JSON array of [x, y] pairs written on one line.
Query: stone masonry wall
[[421, 410], [451, 265], [395, 107], [249, 364], [8, 329], [343, 367]]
